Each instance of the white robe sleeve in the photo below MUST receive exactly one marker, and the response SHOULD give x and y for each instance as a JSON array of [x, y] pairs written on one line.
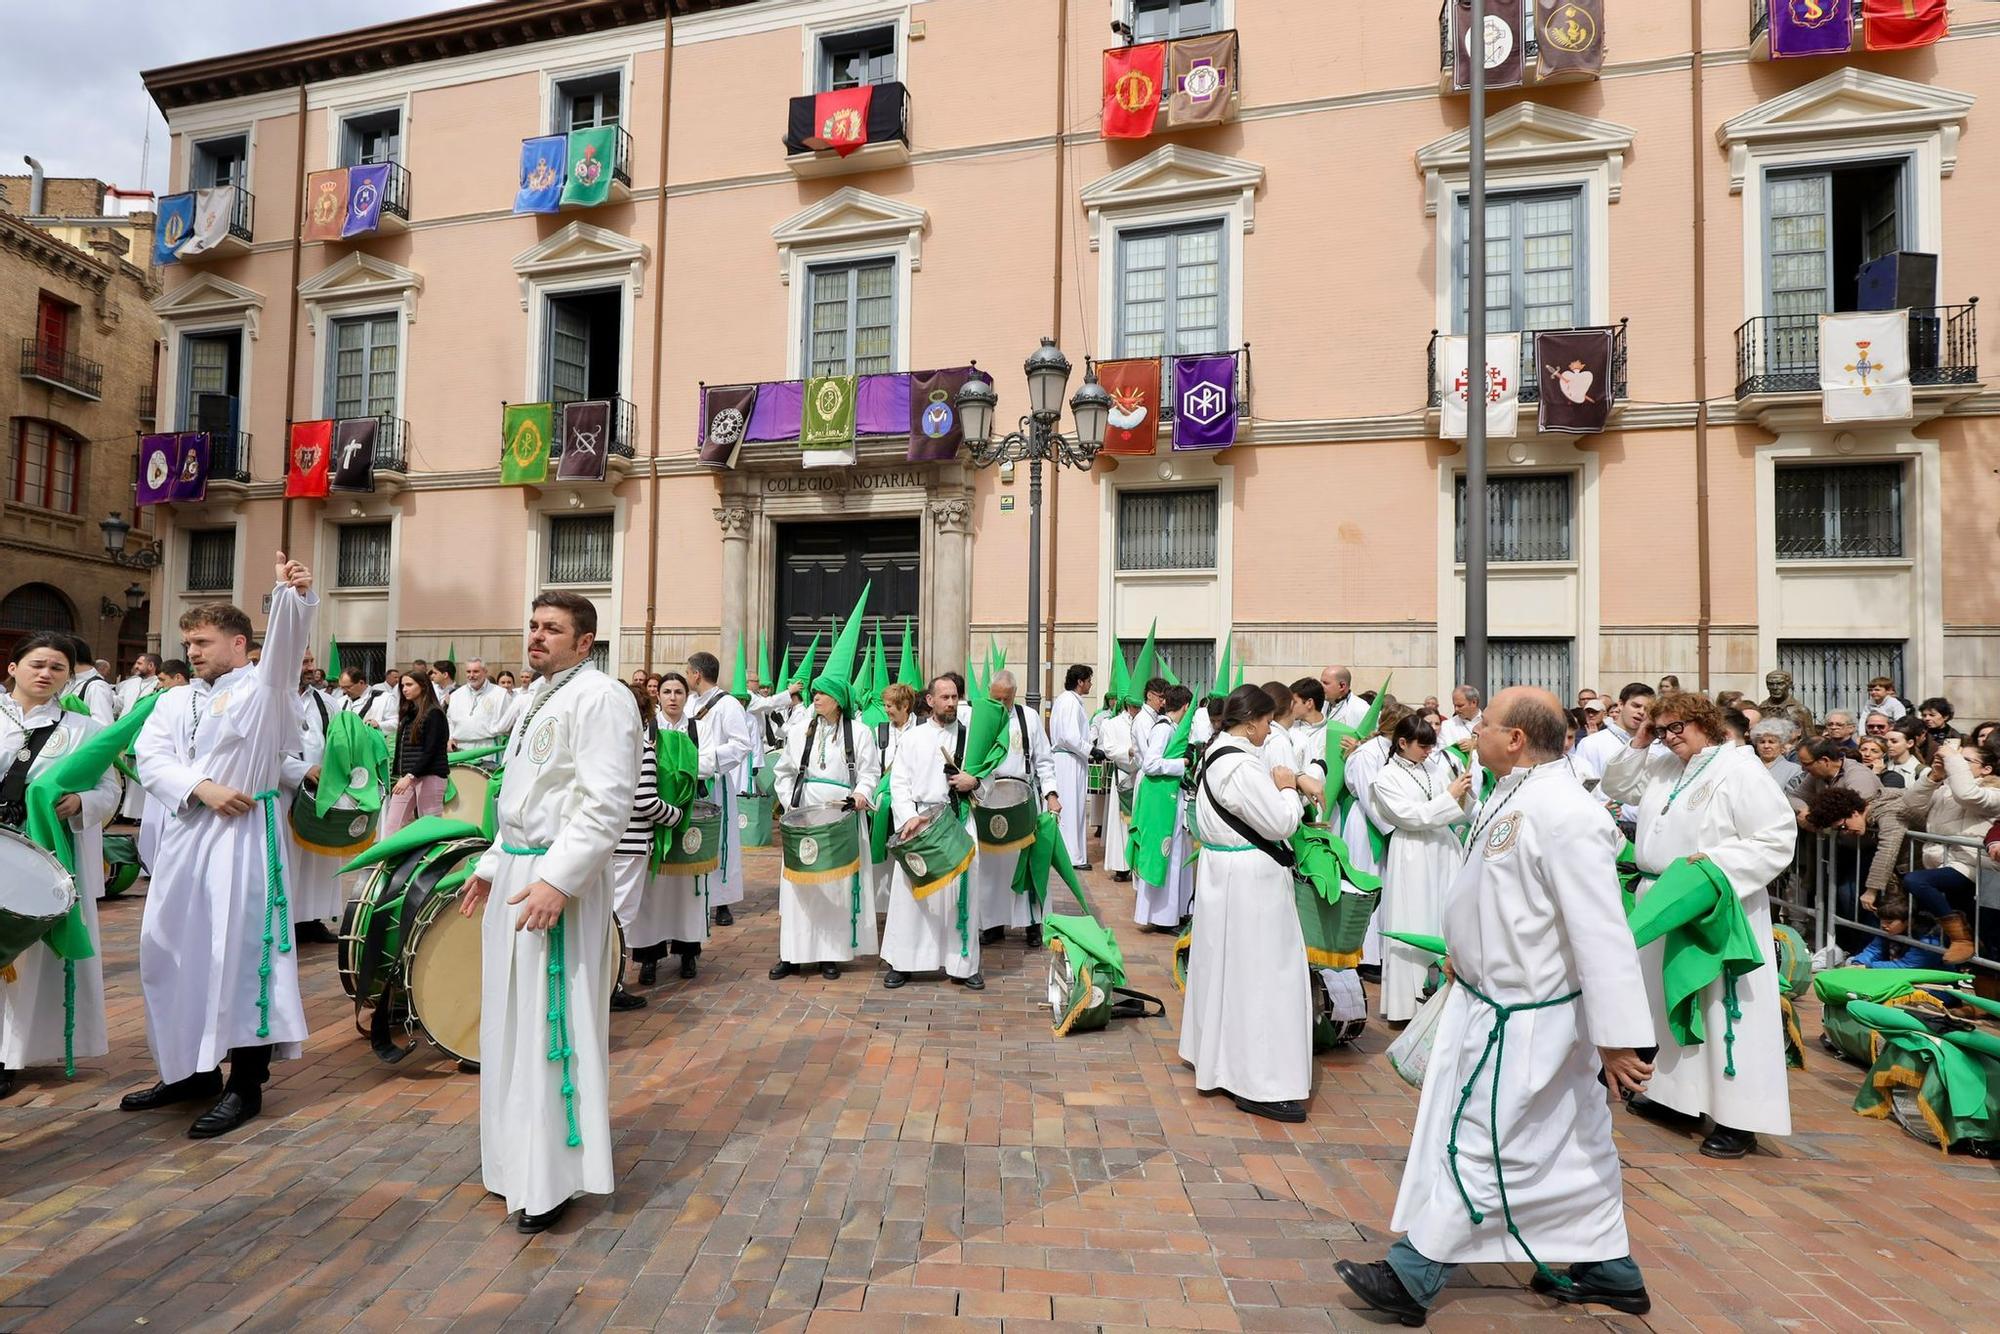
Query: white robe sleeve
[[161, 771], [1401, 803], [1763, 829], [1069, 730], [790, 759], [1629, 770], [1153, 760], [1580, 868], [285, 634], [607, 772], [1246, 788], [905, 775]]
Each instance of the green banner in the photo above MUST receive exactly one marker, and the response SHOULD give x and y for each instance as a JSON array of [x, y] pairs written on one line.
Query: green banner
[[592, 158], [524, 443], [829, 412]]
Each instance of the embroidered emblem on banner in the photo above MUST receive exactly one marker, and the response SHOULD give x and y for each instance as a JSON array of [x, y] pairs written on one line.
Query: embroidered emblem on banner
[[305, 458], [938, 417], [543, 176], [726, 427], [1134, 91], [526, 444], [362, 205], [177, 230], [829, 399], [544, 744], [1128, 408], [157, 468], [588, 168], [1204, 402], [1500, 839], [326, 202], [191, 468], [1499, 41], [844, 126], [809, 850], [1203, 81], [1862, 366], [1570, 28]]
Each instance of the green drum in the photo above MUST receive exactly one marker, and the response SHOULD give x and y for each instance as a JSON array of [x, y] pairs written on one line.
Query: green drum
[[1333, 930], [1100, 774], [935, 854], [767, 776], [753, 819], [375, 922], [1003, 815], [343, 831], [121, 864], [36, 893], [695, 846], [822, 844]]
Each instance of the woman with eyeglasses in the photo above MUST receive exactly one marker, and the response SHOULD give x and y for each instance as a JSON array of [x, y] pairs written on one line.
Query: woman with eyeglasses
[[1703, 798], [1423, 803]]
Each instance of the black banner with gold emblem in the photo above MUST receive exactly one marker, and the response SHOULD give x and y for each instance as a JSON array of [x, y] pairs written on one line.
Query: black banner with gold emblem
[[1571, 38]]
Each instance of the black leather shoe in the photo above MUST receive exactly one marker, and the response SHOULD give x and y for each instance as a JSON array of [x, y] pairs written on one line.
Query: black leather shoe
[[542, 1222], [687, 965], [1033, 940], [6, 1081], [992, 935], [1378, 1286], [830, 971], [622, 999], [783, 969], [1632, 1301], [1289, 1110], [1370, 972], [231, 1110], [466, 1067], [195, 1088], [1722, 1142], [976, 982], [1080, 866], [313, 932], [724, 917], [649, 972], [893, 979], [1122, 877], [1658, 1113]]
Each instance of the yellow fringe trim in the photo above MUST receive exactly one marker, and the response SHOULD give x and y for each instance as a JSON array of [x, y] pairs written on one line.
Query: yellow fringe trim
[[930, 887], [1890, 1076], [1079, 993], [351, 850], [8, 974], [985, 846], [1183, 949], [822, 877], [1328, 959], [1792, 1030], [690, 868]]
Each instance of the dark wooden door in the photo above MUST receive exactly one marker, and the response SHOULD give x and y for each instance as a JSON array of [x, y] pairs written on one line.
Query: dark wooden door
[[822, 568]]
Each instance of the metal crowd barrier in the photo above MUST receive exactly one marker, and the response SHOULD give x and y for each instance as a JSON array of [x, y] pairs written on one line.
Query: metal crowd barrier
[[1819, 893]]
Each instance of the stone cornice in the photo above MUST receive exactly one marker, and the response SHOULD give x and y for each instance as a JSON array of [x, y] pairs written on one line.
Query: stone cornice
[[52, 254]]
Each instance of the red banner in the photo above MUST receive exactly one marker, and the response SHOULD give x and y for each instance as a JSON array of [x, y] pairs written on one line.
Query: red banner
[[1134, 387], [1132, 79], [840, 119], [1898, 25], [326, 204], [306, 462]]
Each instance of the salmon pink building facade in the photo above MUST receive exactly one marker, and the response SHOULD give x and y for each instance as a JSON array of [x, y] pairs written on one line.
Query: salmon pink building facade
[[789, 190]]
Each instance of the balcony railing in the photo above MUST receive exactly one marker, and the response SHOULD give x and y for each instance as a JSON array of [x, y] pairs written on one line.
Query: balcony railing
[[1779, 354], [888, 121], [392, 435], [146, 405], [1168, 406], [621, 158], [229, 457], [241, 216], [62, 368], [621, 429], [1530, 373], [396, 192]]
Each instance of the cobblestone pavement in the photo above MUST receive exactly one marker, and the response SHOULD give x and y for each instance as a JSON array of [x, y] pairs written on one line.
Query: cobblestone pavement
[[825, 1156]]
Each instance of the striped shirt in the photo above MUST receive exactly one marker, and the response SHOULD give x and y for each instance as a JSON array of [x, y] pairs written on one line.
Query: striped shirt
[[648, 810]]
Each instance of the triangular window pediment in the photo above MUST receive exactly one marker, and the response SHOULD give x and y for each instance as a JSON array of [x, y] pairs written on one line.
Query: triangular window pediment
[[360, 278], [1171, 175], [208, 297], [1843, 105], [581, 249], [848, 217], [1527, 136]]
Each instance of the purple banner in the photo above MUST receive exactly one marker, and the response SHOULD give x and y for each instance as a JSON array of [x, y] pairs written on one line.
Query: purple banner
[[586, 428], [882, 405], [365, 185], [935, 431], [190, 483], [157, 456], [780, 409], [1811, 27], [1205, 402]]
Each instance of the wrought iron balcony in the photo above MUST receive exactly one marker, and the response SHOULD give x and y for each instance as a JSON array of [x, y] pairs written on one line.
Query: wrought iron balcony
[[392, 436], [229, 457], [146, 404], [396, 193], [62, 368], [1760, 28], [621, 158], [236, 240], [1531, 378], [1779, 354], [621, 443], [888, 142]]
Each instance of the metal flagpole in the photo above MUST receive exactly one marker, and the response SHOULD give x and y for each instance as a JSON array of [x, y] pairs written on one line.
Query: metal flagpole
[[1474, 50]]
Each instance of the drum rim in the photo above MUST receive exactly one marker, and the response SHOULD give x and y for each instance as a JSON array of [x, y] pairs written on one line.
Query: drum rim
[[1026, 798], [66, 883], [824, 813]]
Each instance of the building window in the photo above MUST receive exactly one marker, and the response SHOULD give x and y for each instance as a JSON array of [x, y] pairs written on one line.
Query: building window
[[584, 347], [53, 324], [1548, 663], [373, 136], [1834, 673], [1534, 263], [371, 660], [211, 560], [1171, 283], [1163, 20], [600, 655], [45, 465], [1841, 511], [361, 375], [364, 556], [210, 364], [1529, 518], [1824, 224], [1167, 530], [587, 100], [224, 161], [1192, 660], [852, 325], [580, 549], [857, 59]]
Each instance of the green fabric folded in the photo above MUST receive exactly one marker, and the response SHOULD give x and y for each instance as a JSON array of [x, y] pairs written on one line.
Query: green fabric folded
[[1693, 908], [1083, 935], [880, 824], [985, 737], [418, 833], [676, 762], [1838, 986], [1966, 1078], [473, 756], [1031, 871], [1156, 811], [1324, 860], [354, 765]]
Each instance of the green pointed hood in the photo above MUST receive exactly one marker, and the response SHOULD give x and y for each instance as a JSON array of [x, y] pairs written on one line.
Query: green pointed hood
[[908, 672], [804, 673], [1221, 686], [1167, 672], [878, 676], [864, 680], [1145, 669], [739, 682], [837, 677], [1121, 676], [333, 659], [996, 658], [763, 658], [784, 675]]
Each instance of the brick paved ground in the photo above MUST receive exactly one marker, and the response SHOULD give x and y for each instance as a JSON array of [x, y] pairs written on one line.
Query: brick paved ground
[[811, 1155]]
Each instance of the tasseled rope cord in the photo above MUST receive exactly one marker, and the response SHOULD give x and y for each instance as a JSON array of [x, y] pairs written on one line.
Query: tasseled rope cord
[[69, 1019], [964, 925], [559, 1048], [277, 911]]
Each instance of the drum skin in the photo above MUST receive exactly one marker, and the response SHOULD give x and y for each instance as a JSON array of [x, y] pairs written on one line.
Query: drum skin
[[468, 794], [35, 894], [444, 968]]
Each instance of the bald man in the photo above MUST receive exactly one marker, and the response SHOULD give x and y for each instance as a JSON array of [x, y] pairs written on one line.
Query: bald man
[[1342, 704]]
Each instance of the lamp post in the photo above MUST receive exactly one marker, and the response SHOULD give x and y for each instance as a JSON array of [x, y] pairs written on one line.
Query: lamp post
[[1036, 440], [115, 531]]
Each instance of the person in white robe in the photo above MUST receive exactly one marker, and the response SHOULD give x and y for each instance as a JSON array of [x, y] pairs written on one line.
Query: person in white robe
[[1246, 1025], [1030, 760], [830, 759], [1424, 807], [549, 948], [385, 714], [1069, 745], [718, 719], [1547, 996], [314, 890], [1462, 723], [1121, 759], [33, 722], [634, 887], [216, 961], [1339, 702], [899, 705], [1702, 796], [673, 915], [476, 712], [1163, 907], [924, 935], [144, 680], [95, 693]]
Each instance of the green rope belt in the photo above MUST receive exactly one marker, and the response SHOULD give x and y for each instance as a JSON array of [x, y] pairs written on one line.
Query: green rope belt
[[277, 910], [559, 1045], [69, 1019], [854, 911], [728, 824], [1496, 1048], [1227, 847], [964, 924]]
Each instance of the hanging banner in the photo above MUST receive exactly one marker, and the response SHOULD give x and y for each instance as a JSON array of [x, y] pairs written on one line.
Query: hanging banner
[[591, 153], [1864, 366], [725, 419], [1205, 402], [882, 404], [1500, 43], [829, 413], [779, 412], [354, 453], [935, 430], [1569, 37], [1811, 28], [586, 438], [840, 120], [1201, 79], [158, 455], [542, 171], [1576, 380], [366, 186], [213, 210], [1134, 386], [173, 227], [1499, 388], [308, 459], [1898, 25], [326, 204], [524, 443], [190, 484], [1133, 77]]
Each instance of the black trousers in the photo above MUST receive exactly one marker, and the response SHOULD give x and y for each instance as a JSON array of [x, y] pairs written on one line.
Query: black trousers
[[249, 1069]]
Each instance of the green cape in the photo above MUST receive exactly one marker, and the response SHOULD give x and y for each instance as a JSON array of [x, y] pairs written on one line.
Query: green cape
[[352, 748], [418, 833], [1156, 811], [1694, 908]]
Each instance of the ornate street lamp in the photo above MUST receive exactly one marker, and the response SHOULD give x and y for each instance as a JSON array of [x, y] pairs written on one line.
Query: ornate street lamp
[[115, 531], [1037, 440]]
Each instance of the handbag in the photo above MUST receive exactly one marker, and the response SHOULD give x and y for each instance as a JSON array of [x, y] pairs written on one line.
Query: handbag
[[1410, 1053]]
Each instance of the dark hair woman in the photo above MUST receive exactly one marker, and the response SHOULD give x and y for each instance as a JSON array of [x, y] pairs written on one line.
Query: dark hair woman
[[1423, 799], [420, 768]]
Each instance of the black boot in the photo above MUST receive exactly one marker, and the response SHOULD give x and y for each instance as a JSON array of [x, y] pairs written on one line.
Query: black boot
[[992, 935], [6, 1081], [830, 971], [1632, 1301], [1377, 1285], [724, 917], [688, 965], [893, 979], [544, 1221], [1725, 1143], [1033, 940], [622, 999], [195, 1088], [649, 972]]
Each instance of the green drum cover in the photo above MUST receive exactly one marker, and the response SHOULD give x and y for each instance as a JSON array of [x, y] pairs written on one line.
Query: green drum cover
[[341, 832], [695, 847], [822, 844], [1003, 814], [934, 855], [121, 864], [753, 818]]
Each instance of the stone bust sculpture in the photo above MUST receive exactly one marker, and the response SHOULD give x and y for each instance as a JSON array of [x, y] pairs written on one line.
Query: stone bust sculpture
[[1782, 703]]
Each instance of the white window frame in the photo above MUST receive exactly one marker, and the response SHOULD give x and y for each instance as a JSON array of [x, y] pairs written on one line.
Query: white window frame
[[544, 270], [853, 269], [557, 499], [554, 77], [328, 353], [378, 287], [1225, 14], [852, 18], [847, 226], [246, 131], [338, 114]]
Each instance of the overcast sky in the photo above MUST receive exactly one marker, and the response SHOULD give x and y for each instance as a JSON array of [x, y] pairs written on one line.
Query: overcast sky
[[70, 70]]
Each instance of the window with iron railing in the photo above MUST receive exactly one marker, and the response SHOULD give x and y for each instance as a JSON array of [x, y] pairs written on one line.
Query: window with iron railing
[[211, 560], [361, 375], [363, 556], [1192, 660], [1834, 673], [1172, 291], [1528, 518], [600, 655], [1547, 663], [1168, 530], [579, 549], [369, 659], [1843, 511], [857, 59]]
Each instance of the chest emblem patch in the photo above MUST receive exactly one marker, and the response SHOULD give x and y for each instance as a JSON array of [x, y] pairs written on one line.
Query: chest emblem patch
[[1500, 838], [219, 705], [544, 743], [57, 744]]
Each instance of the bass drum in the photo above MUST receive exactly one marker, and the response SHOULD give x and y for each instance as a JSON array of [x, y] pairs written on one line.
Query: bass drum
[[1329, 1031], [443, 970]]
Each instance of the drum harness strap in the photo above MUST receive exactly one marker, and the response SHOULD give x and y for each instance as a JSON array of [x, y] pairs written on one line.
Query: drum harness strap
[[799, 782], [1034, 783], [958, 800], [1253, 841], [14, 814], [708, 785]]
